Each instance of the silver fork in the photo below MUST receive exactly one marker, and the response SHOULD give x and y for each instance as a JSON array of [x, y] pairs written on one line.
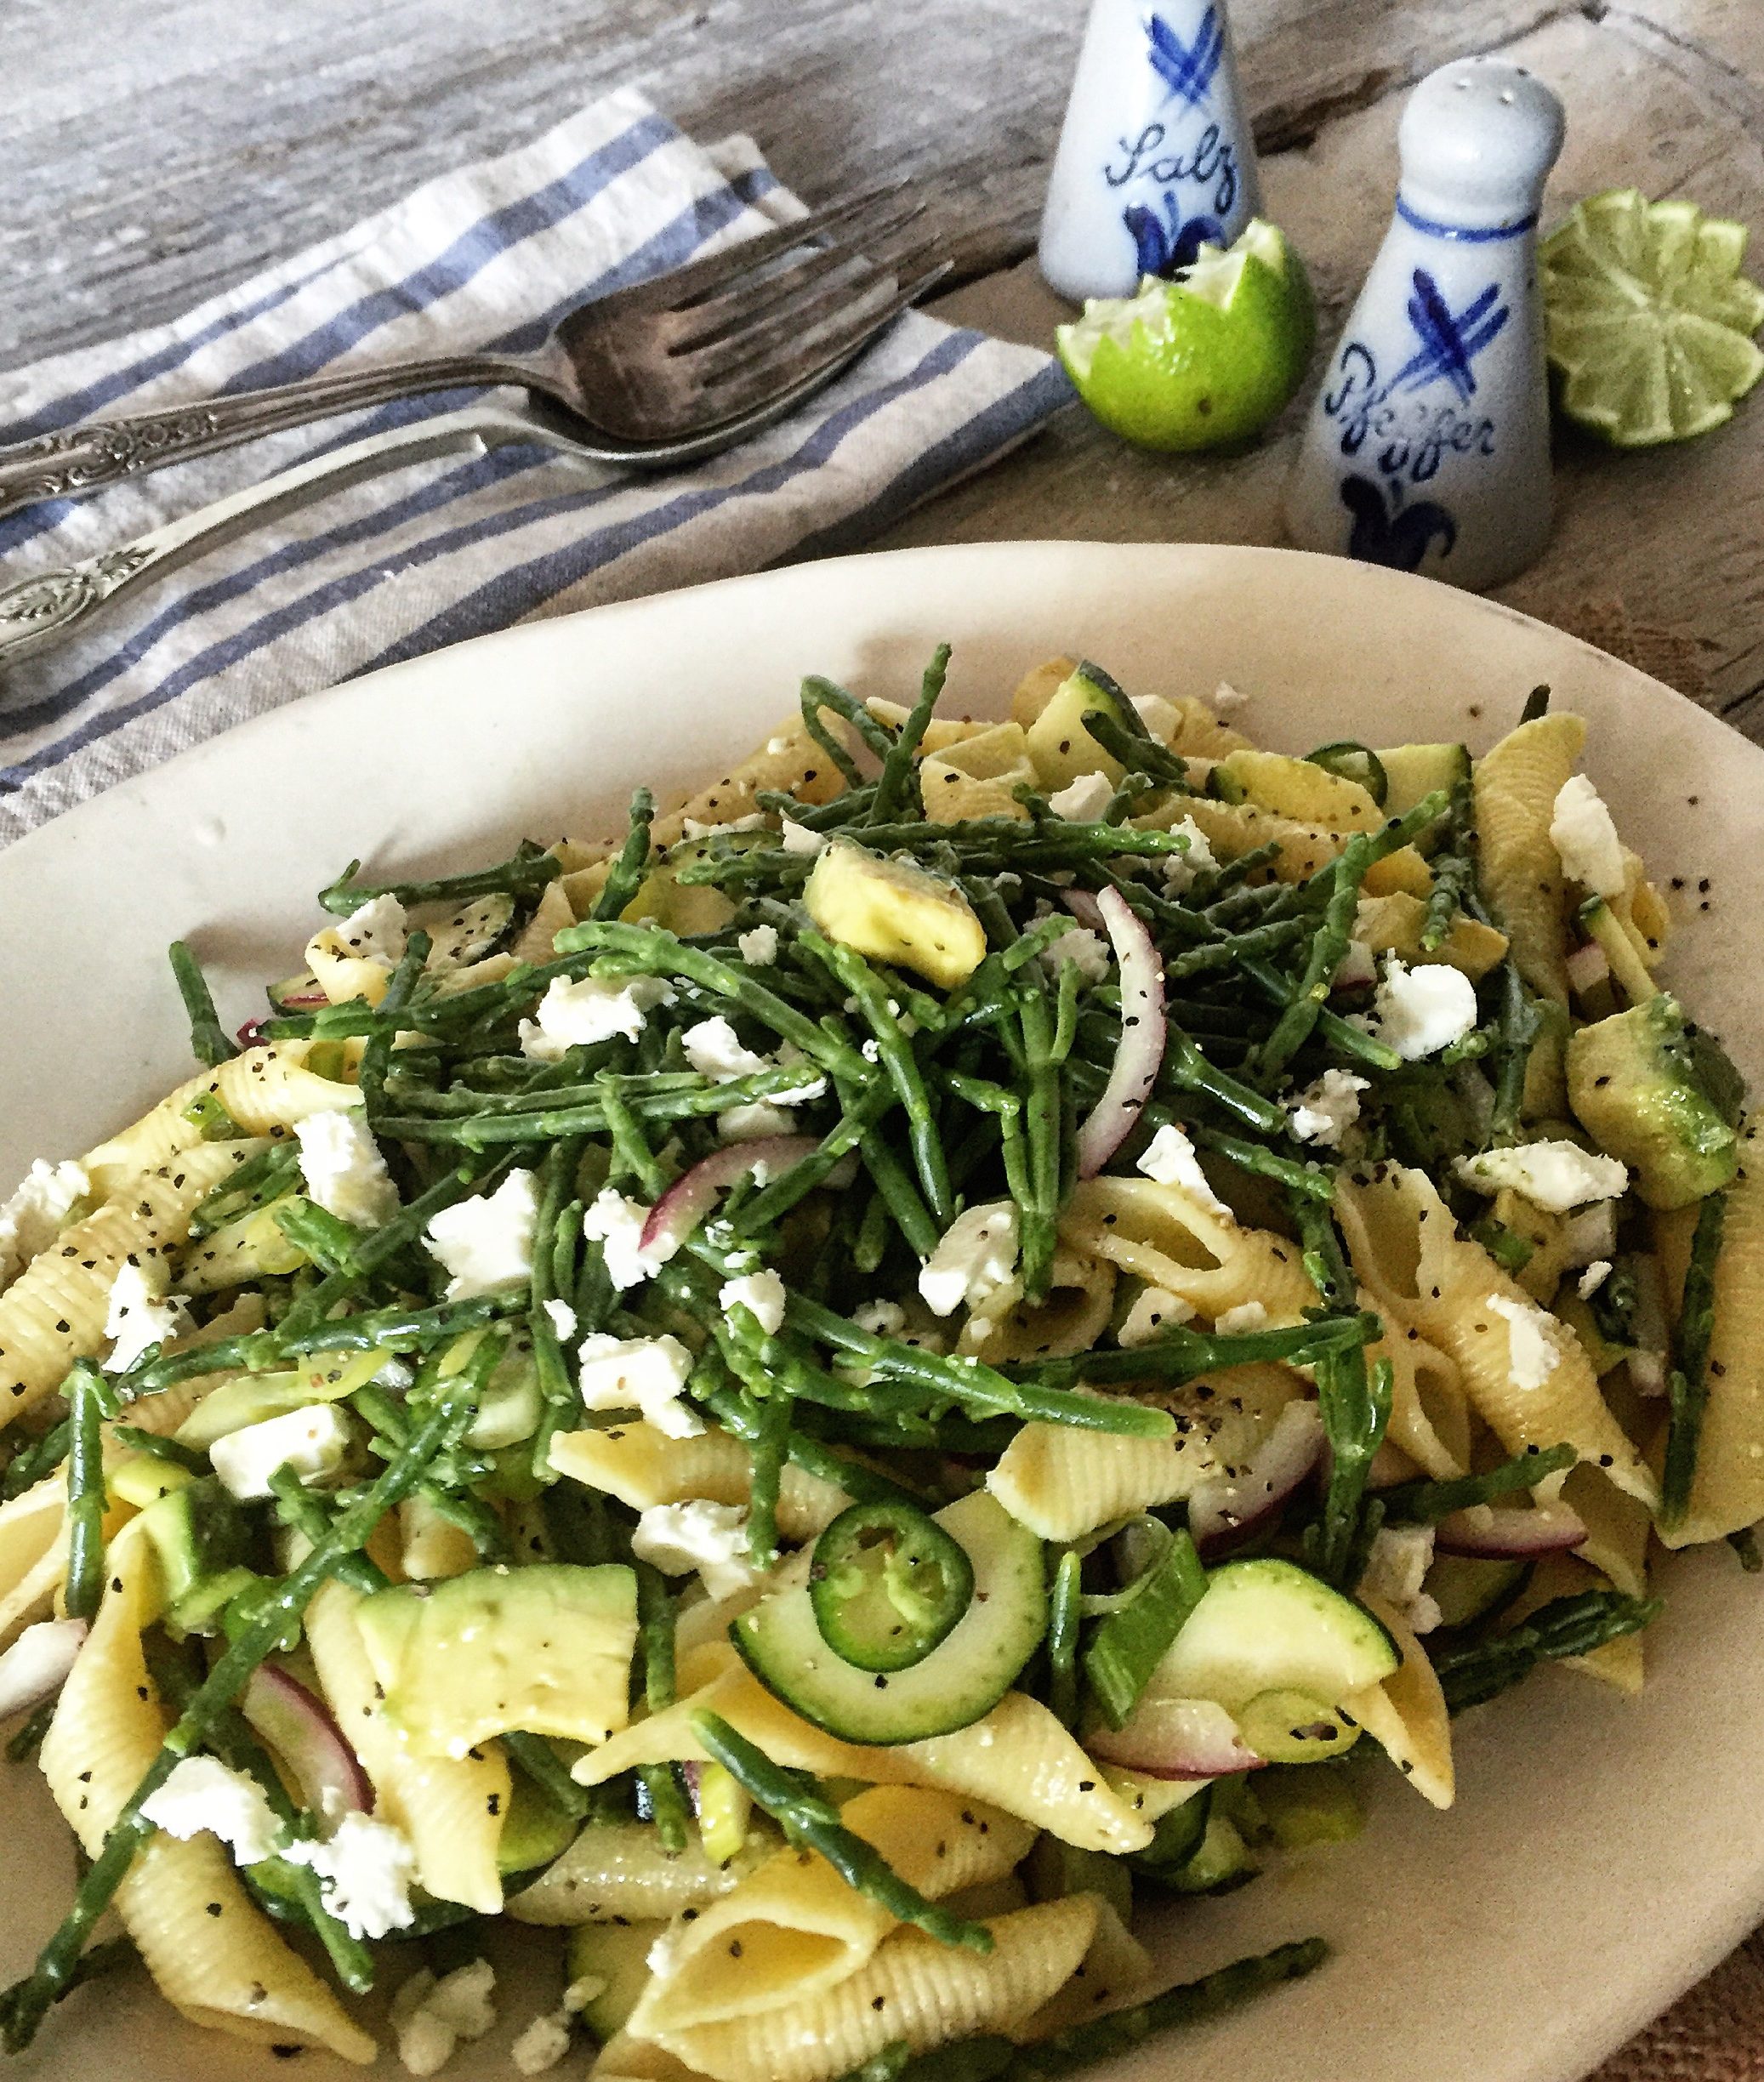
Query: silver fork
[[652, 376]]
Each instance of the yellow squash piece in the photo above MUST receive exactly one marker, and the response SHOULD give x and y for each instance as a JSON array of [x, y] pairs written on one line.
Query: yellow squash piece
[[893, 910]]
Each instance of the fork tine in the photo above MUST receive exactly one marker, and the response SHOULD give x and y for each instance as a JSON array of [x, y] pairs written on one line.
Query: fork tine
[[699, 279], [798, 317], [717, 318], [751, 384]]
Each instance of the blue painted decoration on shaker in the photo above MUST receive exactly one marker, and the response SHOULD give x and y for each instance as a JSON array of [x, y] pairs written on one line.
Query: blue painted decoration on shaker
[[1438, 379], [1155, 159]]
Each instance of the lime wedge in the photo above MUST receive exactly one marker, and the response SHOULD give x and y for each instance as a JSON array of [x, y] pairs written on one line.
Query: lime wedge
[[1204, 362], [1648, 318]]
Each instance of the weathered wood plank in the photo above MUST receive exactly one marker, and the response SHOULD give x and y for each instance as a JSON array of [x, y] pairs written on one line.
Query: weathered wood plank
[[173, 145]]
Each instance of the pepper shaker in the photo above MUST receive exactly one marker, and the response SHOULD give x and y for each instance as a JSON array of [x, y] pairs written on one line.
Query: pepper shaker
[[1428, 447], [1155, 157]]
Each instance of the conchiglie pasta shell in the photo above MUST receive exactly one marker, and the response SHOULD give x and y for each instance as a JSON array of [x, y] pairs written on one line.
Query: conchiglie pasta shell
[[1406, 1251], [1019, 1757], [1727, 1492], [1430, 1414], [619, 1871], [265, 1091], [1062, 1482], [553, 912], [794, 1927], [1517, 784], [1406, 1715], [642, 1467], [56, 1312], [800, 768], [1166, 1236], [229, 1971], [1071, 1318], [914, 1989], [450, 1809]]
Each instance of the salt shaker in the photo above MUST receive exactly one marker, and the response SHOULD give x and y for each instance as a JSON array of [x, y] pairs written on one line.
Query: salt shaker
[[1155, 157], [1428, 447]]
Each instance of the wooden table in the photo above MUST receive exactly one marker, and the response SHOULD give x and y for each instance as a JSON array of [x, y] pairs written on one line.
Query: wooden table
[[157, 149]]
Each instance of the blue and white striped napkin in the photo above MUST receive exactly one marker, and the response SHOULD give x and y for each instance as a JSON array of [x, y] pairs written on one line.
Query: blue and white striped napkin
[[487, 257]]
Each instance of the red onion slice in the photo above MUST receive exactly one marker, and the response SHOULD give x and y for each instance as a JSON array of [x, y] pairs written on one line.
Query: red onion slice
[[36, 1666], [298, 1727], [1509, 1532], [1085, 908], [1141, 1054], [1222, 1514], [1176, 1738], [693, 1194]]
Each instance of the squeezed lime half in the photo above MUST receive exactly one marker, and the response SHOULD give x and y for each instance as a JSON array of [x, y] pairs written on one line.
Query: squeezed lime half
[[1204, 361], [1648, 319]]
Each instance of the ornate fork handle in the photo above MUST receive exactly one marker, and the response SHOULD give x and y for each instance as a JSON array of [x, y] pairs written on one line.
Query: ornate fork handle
[[85, 459], [40, 612]]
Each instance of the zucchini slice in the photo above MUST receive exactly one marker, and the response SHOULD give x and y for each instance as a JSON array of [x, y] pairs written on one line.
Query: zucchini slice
[[1268, 1626], [962, 1679]]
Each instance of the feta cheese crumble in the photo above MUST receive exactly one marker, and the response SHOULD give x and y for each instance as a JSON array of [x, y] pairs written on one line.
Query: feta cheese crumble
[[1585, 838], [1397, 1565], [976, 1256], [693, 828], [1162, 718], [1240, 1321], [579, 1012], [1168, 1159], [880, 1318], [345, 1173], [761, 1294], [33, 1217], [376, 931], [139, 1317], [1154, 1313], [542, 2045], [616, 1223], [1555, 1177], [563, 1320], [710, 1538], [1593, 1278], [1082, 801], [487, 1244], [1180, 869], [1227, 701], [430, 2017], [1089, 949], [365, 1872], [1420, 1011], [715, 1050], [646, 1375], [801, 838], [1532, 1350], [751, 1123], [202, 1793], [759, 948], [1324, 1111], [311, 1441]]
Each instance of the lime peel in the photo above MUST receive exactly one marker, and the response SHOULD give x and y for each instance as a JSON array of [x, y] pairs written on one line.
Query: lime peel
[[1201, 361], [1648, 319]]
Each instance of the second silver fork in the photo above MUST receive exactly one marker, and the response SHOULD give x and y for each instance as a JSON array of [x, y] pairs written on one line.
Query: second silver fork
[[649, 376]]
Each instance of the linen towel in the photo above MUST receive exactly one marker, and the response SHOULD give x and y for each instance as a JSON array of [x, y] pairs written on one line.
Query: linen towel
[[488, 258]]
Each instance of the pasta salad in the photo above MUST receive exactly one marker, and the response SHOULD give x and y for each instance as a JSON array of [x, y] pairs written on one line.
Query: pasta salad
[[819, 1404]]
